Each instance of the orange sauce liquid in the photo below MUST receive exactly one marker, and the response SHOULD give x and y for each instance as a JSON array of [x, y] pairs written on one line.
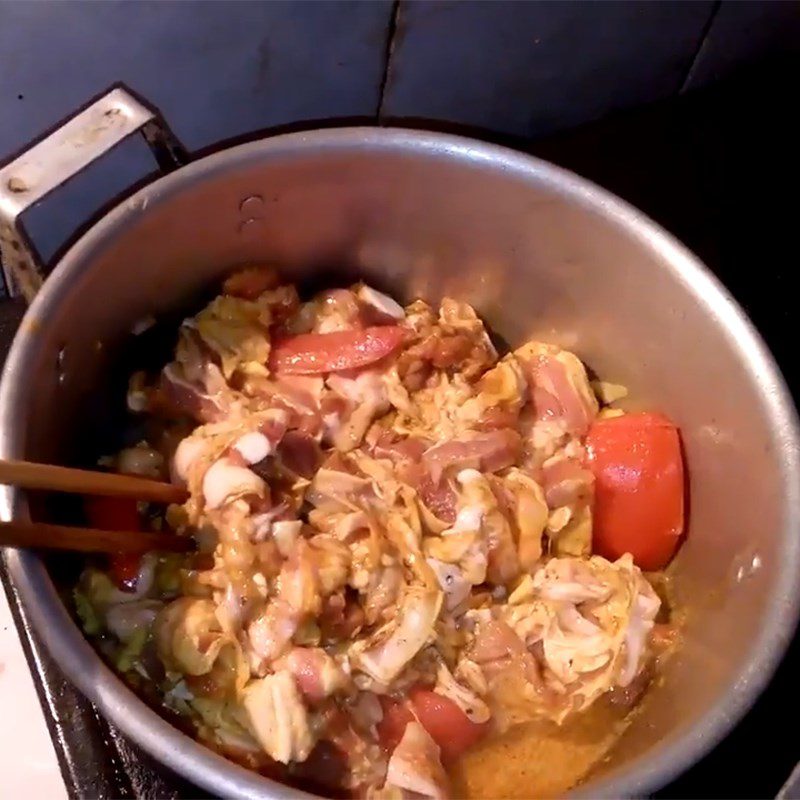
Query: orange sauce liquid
[[539, 759]]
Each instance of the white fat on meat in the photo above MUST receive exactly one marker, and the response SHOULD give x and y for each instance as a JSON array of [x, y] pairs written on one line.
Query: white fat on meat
[[415, 765], [285, 534], [277, 717], [381, 302], [469, 517], [253, 447], [189, 450], [467, 476], [225, 481]]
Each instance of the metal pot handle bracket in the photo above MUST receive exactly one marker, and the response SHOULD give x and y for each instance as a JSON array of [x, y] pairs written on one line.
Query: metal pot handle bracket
[[60, 156]]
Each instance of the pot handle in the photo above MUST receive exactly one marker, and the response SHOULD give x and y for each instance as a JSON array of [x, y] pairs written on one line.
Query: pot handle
[[61, 155]]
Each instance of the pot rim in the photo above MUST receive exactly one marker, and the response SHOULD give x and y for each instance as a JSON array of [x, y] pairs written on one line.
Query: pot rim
[[120, 705]]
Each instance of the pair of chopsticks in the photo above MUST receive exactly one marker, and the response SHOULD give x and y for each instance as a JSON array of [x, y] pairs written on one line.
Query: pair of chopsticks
[[27, 475]]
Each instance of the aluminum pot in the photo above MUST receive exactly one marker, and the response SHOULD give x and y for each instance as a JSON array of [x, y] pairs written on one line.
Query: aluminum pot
[[539, 252]]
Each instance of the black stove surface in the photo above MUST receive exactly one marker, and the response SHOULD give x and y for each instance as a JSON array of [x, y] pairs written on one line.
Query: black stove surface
[[711, 168]]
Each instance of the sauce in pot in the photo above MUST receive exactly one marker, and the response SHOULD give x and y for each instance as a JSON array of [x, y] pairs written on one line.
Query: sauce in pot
[[539, 758]]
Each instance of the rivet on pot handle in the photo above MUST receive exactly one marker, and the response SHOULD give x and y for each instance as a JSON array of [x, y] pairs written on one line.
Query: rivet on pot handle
[[59, 157]]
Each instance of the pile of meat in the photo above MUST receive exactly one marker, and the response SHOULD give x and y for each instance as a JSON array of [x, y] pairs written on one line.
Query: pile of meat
[[395, 536]]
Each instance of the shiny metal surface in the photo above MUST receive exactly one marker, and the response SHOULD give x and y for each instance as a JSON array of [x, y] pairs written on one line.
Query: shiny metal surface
[[539, 252], [60, 156]]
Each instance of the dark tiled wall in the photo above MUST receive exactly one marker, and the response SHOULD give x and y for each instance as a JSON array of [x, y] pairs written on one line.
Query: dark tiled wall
[[222, 69], [529, 69]]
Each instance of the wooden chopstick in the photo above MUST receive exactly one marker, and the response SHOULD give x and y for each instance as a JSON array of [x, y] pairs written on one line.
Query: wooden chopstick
[[28, 475], [42, 535]]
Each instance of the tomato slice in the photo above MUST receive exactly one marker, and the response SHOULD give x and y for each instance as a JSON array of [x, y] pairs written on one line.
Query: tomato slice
[[639, 488], [124, 569], [113, 513], [393, 725], [117, 514], [447, 724], [314, 353]]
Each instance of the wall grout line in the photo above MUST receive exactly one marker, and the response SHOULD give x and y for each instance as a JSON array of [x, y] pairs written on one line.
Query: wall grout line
[[391, 35], [701, 44]]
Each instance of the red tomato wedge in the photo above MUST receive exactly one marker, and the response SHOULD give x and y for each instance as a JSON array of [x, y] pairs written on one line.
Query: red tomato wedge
[[639, 488], [117, 514], [447, 724], [393, 725], [314, 353], [124, 569]]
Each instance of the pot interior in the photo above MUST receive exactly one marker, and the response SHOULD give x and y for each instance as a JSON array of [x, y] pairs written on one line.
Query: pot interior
[[538, 254]]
